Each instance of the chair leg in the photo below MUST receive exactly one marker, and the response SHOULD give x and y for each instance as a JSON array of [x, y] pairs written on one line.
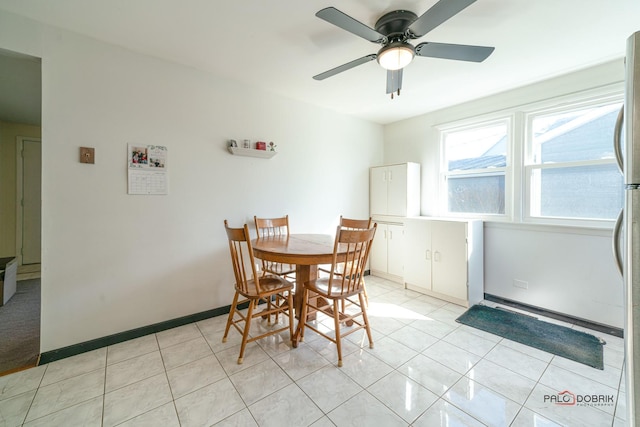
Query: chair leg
[[247, 325], [366, 297], [336, 322], [278, 303], [291, 316], [269, 306], [230, 319], [365, 318], [302, 317]]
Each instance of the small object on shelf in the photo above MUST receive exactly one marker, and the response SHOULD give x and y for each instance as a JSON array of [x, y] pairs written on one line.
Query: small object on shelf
[[233, 143], [272, 146], [250, 152], [247, 144], [261, 145]]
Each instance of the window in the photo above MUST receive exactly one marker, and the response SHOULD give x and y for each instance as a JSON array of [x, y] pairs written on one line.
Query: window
[[548, 163], [570, 167], [475, 168]]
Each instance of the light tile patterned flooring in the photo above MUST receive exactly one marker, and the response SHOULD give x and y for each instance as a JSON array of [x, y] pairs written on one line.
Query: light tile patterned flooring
[[425, 370]]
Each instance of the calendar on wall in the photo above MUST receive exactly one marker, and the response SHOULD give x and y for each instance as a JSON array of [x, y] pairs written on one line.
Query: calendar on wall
[[147, 169]]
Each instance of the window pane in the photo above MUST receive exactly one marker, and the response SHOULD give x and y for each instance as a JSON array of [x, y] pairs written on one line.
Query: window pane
[[478, 148], [585, 134], [594, 192], [478, 194]]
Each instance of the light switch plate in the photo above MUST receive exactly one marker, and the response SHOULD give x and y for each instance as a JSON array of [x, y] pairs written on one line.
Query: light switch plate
[[87, 155]]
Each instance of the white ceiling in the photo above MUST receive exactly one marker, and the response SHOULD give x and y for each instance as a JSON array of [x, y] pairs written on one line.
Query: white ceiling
[[279, 45]]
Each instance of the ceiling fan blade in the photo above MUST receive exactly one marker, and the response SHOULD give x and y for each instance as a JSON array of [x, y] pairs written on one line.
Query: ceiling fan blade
[[460, 52], [435, 16], [345, 67], [344, 21], [394, 81]]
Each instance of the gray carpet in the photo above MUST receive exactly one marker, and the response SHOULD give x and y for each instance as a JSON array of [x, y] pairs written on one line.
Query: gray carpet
[[556, 339], [20, 327]]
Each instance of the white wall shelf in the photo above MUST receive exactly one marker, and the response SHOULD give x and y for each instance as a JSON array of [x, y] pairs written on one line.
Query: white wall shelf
[[251, 152]]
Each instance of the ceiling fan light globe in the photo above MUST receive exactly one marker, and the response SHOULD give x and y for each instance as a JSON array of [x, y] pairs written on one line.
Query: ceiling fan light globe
[[396, 56]]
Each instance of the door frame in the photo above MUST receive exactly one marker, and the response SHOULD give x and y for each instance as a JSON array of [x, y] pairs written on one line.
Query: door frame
[[19, 189]]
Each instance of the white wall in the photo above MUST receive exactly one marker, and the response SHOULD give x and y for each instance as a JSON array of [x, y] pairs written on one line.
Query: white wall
[[569, 271], [112, 262]]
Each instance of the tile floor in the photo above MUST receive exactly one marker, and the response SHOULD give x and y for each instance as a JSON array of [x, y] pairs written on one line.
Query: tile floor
[[425, 370]]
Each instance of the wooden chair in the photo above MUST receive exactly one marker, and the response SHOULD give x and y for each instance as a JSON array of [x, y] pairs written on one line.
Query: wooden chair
[[337, 288], [350, 224], [254, 288], [267, 227]]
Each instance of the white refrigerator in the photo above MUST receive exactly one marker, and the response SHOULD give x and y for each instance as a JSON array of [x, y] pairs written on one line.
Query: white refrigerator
[[626, 241]]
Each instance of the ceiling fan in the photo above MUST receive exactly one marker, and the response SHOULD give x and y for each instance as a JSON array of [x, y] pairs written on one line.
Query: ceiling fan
[[394, 30]]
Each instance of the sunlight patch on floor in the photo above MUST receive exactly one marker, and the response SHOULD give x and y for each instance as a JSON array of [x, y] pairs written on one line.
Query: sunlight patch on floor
[[381, 309]]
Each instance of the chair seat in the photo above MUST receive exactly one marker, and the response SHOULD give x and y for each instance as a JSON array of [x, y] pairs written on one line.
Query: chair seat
[[321, 286], [268, 285]]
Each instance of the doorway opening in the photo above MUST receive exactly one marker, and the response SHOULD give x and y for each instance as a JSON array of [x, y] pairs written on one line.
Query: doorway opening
[[20, 208]]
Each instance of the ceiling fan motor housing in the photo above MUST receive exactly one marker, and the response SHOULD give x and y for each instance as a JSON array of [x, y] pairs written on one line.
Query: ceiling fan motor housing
[[394, 24]]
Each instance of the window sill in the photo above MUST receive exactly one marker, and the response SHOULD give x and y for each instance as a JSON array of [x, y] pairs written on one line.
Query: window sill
[[603, 230]]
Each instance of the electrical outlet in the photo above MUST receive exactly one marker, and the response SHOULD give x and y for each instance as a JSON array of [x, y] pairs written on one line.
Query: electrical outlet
[[520, 284]]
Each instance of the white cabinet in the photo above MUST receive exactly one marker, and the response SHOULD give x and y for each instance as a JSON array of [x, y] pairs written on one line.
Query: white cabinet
[[395, 190], [444, 258], [386, 258]]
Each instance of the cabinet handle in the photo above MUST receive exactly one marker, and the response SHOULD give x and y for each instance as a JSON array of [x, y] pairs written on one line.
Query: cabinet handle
[[390, 175], [428, 254], [390, 234], [436, 256]]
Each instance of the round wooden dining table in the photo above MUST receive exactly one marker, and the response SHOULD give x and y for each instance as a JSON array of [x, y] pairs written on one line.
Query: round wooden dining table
[[306, 251]]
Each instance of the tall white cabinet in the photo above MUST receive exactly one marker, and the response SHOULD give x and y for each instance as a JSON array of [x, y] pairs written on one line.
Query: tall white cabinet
[[394, 190], [394, 194], [444, 258]]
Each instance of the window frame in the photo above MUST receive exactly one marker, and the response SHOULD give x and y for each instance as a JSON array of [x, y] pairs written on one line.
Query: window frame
[[519, 153], [529, 164], [494, 120]]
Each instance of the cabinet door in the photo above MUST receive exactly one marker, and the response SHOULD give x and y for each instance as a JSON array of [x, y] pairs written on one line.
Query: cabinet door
[[395, 250], [449, 264], [378, 254], [378, 191], [417, 253], [397, 190]]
